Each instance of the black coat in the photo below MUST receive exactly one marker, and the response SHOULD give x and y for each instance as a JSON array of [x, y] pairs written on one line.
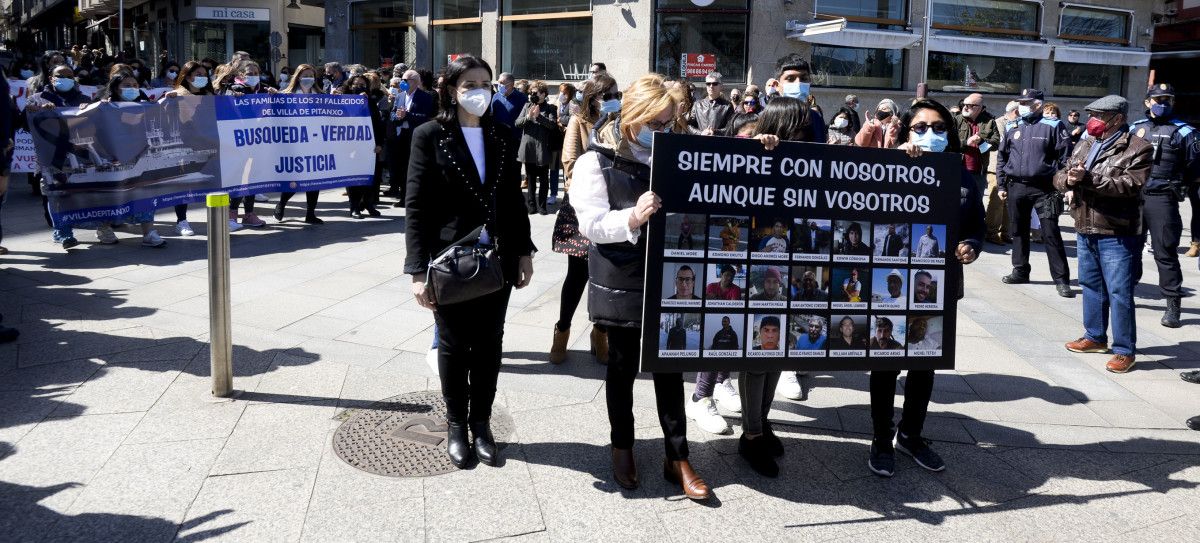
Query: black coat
[[446, 201]]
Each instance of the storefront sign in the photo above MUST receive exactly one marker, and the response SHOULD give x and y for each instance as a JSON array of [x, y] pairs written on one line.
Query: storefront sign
[[807, 257], [233, 14], [697, 64], [453, 57]]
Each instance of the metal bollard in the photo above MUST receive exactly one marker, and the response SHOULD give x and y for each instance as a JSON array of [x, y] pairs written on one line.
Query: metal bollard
[[219, 334]]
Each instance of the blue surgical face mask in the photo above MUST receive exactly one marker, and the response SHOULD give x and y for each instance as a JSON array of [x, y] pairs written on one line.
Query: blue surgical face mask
[[645, 137], [404, 86], [501, 89], [307, 82], [798, 90], [26, 74], [610, 106], [1024, 110], [1160, 110], [63, 84], [199, 81], [252, 80], [129, 94], [931, 141]]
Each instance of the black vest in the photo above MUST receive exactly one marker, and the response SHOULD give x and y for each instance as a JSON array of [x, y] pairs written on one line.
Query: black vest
[[1168, 156], [617, 270]]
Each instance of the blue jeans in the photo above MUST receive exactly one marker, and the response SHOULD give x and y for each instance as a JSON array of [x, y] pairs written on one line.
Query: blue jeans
[[1109, 268]]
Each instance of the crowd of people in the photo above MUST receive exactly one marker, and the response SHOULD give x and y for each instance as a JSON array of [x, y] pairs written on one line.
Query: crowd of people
[[471, 154]]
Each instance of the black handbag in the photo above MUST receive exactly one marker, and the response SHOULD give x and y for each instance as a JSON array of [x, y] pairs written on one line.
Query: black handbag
[[466, 270]]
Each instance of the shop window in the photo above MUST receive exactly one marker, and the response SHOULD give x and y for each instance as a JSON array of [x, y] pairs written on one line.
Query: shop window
[[382, 33], [455, 9], [951, 72], [719, 29], [857, 67], [1008, 19], [1087, 80], [1078, 24], [457, 30], [549, 39], [868, 14]]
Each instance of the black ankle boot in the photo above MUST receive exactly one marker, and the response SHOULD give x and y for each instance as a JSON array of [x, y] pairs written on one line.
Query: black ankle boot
[[458, 444], [1170, 318], [485, 444]]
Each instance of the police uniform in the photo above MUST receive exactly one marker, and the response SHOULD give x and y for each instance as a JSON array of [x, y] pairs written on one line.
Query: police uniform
[[1030, 154], [1176, 164]]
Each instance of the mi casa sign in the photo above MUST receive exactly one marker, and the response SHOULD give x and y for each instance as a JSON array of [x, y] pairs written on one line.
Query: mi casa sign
[[233, 14]]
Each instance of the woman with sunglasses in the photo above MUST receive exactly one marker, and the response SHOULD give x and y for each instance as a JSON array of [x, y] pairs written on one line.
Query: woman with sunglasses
[[601, 99], [927, 127], [612, 197]]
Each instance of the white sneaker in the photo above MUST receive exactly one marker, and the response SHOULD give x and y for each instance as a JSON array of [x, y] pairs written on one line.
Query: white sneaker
[[727, 396], [789, 386], [431, 358], [106, 234], [234, 226], [704, 412], [183, 228], [153, 239], [261, 197]]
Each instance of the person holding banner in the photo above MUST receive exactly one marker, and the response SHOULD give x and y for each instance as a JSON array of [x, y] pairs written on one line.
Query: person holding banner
[[62, 91], [364, 198], [464, 188], [245, 77], [123, 88], [167, 76], [612, 198], [305, 82], [927, 127], [193, 81]]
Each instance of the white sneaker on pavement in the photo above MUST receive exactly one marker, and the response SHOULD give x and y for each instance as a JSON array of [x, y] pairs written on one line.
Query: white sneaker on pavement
[[106, 234], [234, 226], [727, 396], [789, 386], [152, 239], [261, 197], [184, 228], [704, 412]]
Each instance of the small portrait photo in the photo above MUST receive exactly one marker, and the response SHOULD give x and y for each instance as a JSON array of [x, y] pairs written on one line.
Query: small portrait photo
[[726, 285], [887, 335], [728, 236], [723, 333], [769, 237], [927, 287], [848, 335], [851, 287], [684, 234], [928, 244], [679, 287], [889, 288], [809, 287], [850, 241], [811, 239], [766, 335], [808, 335], [891, 243], [924, 336], [767, 285], [679, 335]]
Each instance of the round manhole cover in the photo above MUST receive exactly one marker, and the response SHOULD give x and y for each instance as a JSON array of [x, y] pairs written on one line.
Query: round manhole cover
[[405, 436]]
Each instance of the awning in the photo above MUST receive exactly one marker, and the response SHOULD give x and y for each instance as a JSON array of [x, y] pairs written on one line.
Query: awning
[[1163, 55], [1110, 56], [989, 47], [856, 37]]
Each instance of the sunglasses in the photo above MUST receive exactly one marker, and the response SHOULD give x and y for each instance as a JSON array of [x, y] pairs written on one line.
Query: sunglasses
[[711, 84], [938, 127], [611, 96]]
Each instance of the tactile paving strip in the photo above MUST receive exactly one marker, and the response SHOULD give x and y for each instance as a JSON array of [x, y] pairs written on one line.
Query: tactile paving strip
[[405, 436]]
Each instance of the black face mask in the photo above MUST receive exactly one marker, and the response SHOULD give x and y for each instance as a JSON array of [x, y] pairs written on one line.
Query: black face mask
[[357, 90], [882, 115]]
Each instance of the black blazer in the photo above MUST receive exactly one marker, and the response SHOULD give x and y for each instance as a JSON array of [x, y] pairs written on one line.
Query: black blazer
[[446, 200]]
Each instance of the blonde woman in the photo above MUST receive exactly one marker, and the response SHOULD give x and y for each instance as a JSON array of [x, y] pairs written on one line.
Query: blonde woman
[[304, 82], [611, 196]]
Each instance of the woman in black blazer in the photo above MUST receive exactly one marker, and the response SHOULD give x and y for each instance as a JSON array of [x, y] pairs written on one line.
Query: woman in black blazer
[[463, 174]]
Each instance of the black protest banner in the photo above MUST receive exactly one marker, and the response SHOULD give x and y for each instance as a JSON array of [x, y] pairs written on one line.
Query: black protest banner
[[806, 257]]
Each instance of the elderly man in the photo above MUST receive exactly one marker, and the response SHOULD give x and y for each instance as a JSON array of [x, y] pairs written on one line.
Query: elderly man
[[855, 120], [1030, 154], [408, 108], [977, 131], [1103, 182], [507, 103], [334, 76], [712, 114]]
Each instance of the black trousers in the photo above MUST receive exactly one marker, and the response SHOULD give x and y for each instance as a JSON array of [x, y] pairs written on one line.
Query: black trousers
[[181, 212], [1193, 194], [311, 196], [1021, 199], [1161, 220], [470, 336], [624, 348], [539, 186], [399, 150], [363, 198], [918, 388], [572, 290]]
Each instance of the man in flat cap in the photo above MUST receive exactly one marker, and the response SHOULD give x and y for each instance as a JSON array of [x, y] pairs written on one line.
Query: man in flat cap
[[1030, 153], [1103, 182], [1175, 169]]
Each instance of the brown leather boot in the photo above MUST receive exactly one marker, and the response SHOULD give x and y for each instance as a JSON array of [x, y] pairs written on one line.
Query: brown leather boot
[[600, 345], [1194, 251], [624, 470], [680, 472], [558, 349]]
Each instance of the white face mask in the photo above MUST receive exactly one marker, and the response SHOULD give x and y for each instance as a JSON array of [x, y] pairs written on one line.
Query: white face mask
[[840, 123], [1023, 110], [475, 101], [253, 80], [307, 82]]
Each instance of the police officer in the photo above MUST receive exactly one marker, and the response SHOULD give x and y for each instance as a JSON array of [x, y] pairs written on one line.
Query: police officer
[[1176, 164], [1030, 153]]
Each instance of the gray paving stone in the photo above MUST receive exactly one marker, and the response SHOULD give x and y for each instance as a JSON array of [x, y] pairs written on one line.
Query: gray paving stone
[[122, 388], [277, 437], [263, 506], [449, 498], [67, 450]]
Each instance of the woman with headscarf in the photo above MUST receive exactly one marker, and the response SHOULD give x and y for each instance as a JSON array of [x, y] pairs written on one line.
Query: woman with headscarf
[[880, 130]]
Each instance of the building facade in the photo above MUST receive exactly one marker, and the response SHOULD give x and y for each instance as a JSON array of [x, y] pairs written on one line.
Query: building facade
[[1075, 51]]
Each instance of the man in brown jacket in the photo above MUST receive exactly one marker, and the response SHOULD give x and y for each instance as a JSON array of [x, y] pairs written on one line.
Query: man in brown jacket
[[1103, 181]]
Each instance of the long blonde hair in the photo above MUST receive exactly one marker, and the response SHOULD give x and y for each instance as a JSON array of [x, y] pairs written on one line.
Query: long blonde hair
[[644, 101], [294, 82]]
